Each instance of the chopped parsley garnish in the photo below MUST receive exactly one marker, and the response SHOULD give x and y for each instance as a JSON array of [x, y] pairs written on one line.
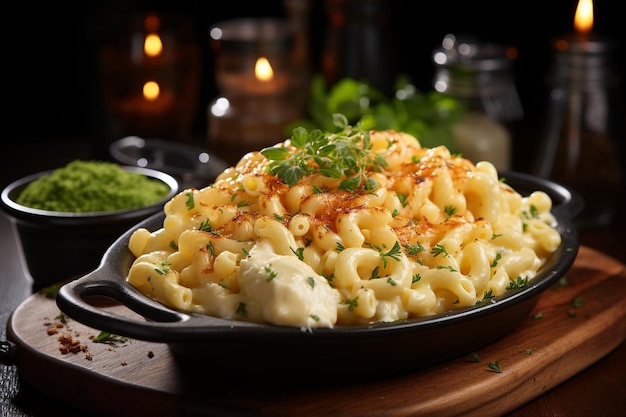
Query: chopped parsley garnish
[[412, 250], [205, 226], [532, 212], [271, 274], [449, 210], [189, 203], [495, 366], [311, 281], [448, 267], [352, 303], [518, 282], [241, 309], [61, 317], [51, 290], [375, 273], [496, 259], [299, 252], [439, 249], [578, 302], [109, 338], [164, 269], [393, 253], [402, 198]]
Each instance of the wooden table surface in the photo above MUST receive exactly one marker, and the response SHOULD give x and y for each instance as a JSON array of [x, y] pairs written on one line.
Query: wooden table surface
[[599, 390]]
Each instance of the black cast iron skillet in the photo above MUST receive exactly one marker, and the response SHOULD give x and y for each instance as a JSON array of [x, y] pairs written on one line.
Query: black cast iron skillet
[[228, 347]]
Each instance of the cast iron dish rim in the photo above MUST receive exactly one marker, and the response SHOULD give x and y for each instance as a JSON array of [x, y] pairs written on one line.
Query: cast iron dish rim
[[212, 167], [168, 325], [25, 213]]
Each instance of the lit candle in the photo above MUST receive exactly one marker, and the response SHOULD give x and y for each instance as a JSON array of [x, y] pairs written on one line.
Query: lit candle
[[254, 57], [261, 81], [254, 73], [582, 40], [150, 101], [150, 77]]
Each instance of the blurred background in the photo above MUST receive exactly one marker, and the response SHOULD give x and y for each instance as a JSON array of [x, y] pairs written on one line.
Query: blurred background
[[60, 77]]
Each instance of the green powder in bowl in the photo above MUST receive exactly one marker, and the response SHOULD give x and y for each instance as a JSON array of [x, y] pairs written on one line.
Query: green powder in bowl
[[92, 186]]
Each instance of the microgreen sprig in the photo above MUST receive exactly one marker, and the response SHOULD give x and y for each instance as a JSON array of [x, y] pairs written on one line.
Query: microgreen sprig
[[346, 154]]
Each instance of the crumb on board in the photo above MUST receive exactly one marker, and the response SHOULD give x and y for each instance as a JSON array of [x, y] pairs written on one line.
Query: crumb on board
[[69, 340], [68, 343]]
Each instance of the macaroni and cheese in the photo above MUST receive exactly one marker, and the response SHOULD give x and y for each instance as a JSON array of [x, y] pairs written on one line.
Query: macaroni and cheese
[[350, 228]]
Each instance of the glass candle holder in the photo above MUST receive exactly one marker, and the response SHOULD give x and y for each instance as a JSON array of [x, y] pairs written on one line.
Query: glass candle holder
[[150, 75], [254, 72], [584, 128]]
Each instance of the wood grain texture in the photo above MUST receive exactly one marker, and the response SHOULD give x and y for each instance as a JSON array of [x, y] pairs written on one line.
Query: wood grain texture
[[145, 377]]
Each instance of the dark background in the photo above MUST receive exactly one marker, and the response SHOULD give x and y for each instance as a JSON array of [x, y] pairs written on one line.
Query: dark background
[[50, 56]]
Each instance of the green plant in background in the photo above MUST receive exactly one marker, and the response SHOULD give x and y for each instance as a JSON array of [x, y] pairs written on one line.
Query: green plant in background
[[427, 116]]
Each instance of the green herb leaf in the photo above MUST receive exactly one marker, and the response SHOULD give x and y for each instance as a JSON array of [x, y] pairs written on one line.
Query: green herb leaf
[[109, 338], [346, 154], [270, 273], [429, 116], [190, 203], [495, 366]]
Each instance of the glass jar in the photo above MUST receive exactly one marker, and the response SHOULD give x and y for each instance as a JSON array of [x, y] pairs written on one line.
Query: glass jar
[[479, 76], [584, 130]]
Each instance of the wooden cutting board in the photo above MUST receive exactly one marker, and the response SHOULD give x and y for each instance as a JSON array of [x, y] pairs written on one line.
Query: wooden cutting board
[[572, 326]]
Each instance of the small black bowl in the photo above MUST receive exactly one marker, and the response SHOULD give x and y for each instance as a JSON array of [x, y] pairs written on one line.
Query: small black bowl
[[58, 246]]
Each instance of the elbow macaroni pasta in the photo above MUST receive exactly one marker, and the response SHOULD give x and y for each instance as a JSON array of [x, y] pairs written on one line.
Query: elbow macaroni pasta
[[436, 233]]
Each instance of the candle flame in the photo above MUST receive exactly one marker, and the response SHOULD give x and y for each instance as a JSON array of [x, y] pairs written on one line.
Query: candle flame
[[263, 70], [151, 90], [152, 46], [583, 20]]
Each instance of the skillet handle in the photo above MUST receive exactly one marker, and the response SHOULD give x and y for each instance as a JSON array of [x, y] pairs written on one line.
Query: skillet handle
[[72, 300]]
